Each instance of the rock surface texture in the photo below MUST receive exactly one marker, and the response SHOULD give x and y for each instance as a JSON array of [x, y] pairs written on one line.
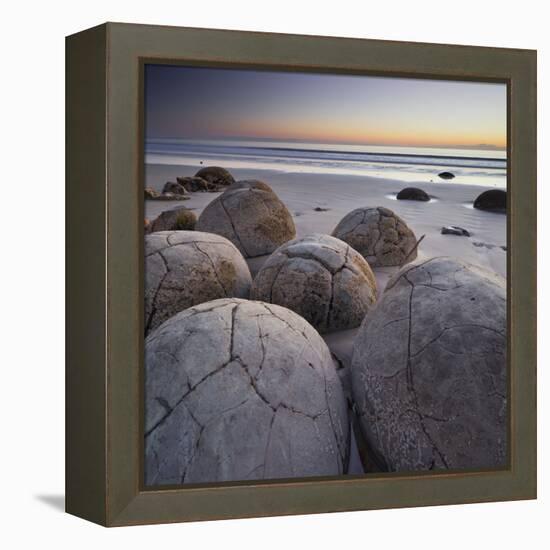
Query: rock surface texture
[[413, 194], [240, 390], [184, 268], [173, 220], [253, 219], [429, 369], [494, 199], [379, 235], [250, 184], [322, 279]]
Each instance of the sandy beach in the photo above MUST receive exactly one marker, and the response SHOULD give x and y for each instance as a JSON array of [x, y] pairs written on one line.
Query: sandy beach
[[302, 193], [340, 194]]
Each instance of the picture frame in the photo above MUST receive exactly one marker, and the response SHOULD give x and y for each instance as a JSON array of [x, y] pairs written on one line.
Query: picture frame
[[104, 272]]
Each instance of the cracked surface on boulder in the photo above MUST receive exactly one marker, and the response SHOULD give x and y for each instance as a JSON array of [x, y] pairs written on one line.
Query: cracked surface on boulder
[[379, 235], [184, 268], [238, 390], [429, 369], [253, 219], [321, 278]]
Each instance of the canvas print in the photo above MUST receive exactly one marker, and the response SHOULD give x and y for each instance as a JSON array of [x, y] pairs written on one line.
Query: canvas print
[[325, 275]]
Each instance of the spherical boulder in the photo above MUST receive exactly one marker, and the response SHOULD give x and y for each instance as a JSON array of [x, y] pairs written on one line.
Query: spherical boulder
[[429, 369], [215, 175], [321, 278], [254, 220], [184, 268], [249, 184], [494, 200], [379, 235], [241, 390], [173, 220], [413, 194]]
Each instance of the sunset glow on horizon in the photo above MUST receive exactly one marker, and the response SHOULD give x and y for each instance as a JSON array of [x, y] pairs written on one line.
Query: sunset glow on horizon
[[212, 103]]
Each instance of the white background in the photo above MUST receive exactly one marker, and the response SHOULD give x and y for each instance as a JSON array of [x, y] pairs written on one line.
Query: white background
[[32, 272]]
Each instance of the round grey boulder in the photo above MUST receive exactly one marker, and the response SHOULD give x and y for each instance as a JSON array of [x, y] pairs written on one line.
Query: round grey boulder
[[241, 390], [322, 279], [429, 369], [184, 268], [253, 219], [379, 235]]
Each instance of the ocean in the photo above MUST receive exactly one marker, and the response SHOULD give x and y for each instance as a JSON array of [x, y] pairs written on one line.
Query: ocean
[[486, 167]]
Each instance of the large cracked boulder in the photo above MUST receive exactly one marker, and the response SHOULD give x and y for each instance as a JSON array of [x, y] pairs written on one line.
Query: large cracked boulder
[[241, 390], [429, 369], [322, 279], [253, 219], [184, 268], [379, 235]]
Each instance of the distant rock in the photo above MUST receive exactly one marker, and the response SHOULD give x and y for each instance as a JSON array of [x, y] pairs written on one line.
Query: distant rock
[[254, 220], [321, 209], [194, 184], [379, 235], [152, 195], [216, 175], [493, 200], [454, 230], [173, 187], [173, 220], [446, 175], [413, 194], [322, 279]]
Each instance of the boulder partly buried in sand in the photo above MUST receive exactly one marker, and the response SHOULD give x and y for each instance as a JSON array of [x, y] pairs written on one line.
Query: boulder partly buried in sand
[[194, 184], [250, 184], [254, 220], [429, 369], [493, 200], [216, 175], [455, 230], [174, 187], [446, 175], [173, 220], [322, 279], [241, 390], [413, 194], [379, 235], [185, 268]]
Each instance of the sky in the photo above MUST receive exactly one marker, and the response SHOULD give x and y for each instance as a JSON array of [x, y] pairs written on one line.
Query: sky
[[214, 103]]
